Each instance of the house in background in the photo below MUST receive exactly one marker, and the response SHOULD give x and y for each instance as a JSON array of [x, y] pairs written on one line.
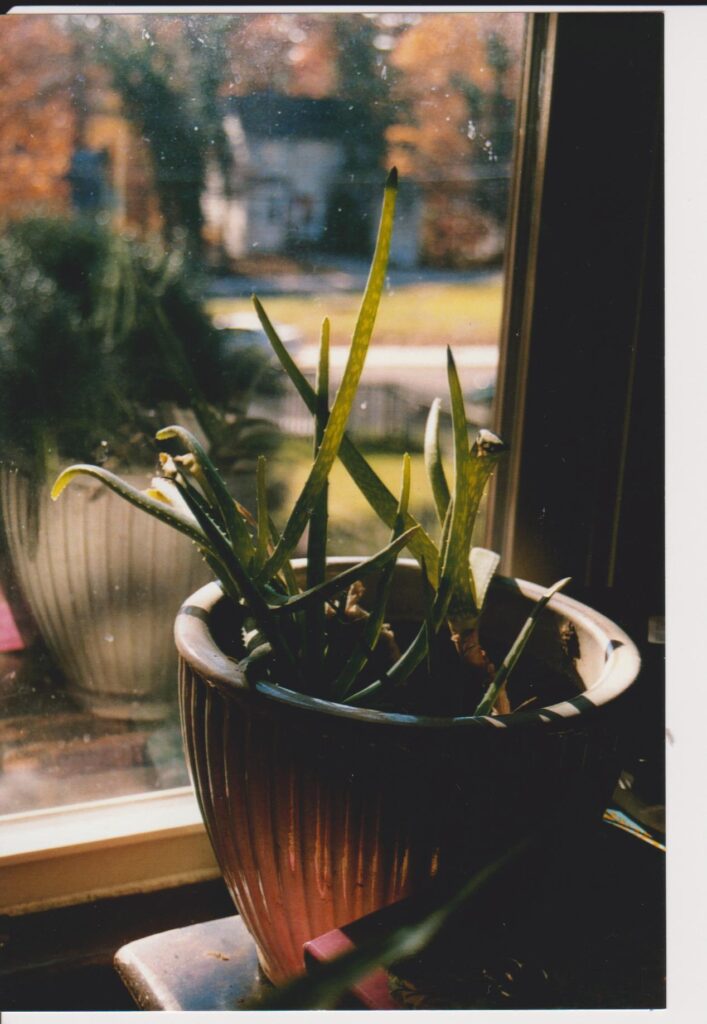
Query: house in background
[[286, 160], [290, 189]]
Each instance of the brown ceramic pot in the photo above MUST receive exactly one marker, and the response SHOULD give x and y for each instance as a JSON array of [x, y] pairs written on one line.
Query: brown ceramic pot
[[320, 813]]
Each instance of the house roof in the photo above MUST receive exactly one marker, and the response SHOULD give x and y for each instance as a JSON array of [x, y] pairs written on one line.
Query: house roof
[[276, 116]]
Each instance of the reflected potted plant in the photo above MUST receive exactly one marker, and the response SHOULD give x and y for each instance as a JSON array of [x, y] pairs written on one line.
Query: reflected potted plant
[[100, 336], [358, 727]]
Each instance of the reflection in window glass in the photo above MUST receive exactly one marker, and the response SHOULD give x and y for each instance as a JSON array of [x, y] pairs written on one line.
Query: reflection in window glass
[[155, 171]]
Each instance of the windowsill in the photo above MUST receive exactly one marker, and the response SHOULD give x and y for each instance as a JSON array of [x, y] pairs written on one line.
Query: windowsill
[[65, 855]]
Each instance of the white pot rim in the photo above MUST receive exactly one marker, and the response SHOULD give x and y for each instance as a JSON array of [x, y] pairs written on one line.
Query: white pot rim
[[622, 662]]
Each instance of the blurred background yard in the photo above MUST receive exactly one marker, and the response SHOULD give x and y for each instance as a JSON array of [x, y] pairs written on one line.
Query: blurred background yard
[[457, 313], [357, 529]]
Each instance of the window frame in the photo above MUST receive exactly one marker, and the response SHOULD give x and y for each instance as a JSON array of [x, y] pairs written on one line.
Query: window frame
[[62, 856], [520, 268], [583, 493], [547, 408]]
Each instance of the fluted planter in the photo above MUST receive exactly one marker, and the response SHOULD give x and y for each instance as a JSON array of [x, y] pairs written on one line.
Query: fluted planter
[[320, 813], [102, 582]]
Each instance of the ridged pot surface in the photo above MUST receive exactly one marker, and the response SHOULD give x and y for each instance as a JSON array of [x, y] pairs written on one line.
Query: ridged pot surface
[[103, 582], [320, 814]]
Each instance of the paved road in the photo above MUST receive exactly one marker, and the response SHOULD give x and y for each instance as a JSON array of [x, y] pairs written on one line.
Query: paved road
[[421, 369]]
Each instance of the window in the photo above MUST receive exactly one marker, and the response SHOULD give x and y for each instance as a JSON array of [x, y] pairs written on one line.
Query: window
[[165, 166]]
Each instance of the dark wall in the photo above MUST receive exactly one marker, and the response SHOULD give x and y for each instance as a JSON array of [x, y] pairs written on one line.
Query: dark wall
[[590, 491]]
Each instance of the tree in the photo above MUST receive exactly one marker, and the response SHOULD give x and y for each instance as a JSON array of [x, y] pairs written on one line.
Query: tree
[[169, 73], [364, 80], [491, 113], [36, 114], [459, 74], [284, 53], [455, 72], [333, 56]]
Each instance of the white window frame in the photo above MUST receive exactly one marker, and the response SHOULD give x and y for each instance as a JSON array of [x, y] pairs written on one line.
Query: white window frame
[[83, 852]]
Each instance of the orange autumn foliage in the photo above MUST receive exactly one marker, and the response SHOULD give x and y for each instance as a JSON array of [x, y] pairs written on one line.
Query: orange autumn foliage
[[290, 53], [43, 74], [40, 130], [37, 121], [431, 56]]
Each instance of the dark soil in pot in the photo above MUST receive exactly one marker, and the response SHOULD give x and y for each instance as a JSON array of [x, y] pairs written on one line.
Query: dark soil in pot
[[534, 683]]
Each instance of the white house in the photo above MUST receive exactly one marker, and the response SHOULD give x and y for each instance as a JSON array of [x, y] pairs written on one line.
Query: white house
[[287, 158], [289, 163]]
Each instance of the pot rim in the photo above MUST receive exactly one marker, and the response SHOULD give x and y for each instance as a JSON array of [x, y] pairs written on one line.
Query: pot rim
[[196, 645]]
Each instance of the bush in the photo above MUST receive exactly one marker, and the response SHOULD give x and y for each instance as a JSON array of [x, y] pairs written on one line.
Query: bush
[[98, 331]]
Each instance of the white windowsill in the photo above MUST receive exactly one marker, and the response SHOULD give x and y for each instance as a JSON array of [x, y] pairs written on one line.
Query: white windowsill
[[65, 855]]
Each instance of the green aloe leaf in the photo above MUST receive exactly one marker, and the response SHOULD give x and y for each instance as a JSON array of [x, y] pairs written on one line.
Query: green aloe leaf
[[374, 623], [444, 539], [235, 577], [428, 604], [216, 490], [452, 595], [379, 497], [456, 556], [483, 564], [413, 654], [263, 533], [334, 586], [287, 573], [472, 471], [509, 662], [315, 615], [155, 507], [384, 504], [316, 541], [232, 574], [433, 461], [346, 394], [404, 496]]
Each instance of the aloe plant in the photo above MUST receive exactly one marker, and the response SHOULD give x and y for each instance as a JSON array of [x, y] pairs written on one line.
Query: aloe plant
[[319, 638]]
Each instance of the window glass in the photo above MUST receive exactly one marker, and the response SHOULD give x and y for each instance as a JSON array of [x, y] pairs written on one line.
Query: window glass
[[155, 170]]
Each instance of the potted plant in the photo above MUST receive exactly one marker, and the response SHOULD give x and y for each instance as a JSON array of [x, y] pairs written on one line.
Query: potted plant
[[100, 336], [357, 727]]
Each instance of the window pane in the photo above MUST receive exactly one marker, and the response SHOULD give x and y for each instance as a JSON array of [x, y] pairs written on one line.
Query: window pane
[[156, 170]]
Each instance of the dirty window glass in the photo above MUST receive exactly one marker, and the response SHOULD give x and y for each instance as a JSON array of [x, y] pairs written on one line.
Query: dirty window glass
[[155, 171]]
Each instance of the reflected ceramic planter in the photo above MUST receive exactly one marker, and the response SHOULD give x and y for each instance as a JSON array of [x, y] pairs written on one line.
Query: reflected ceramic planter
[[319, 813], [103, 582]]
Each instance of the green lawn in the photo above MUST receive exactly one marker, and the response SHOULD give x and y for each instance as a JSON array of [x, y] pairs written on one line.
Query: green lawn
[[458, 313]]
